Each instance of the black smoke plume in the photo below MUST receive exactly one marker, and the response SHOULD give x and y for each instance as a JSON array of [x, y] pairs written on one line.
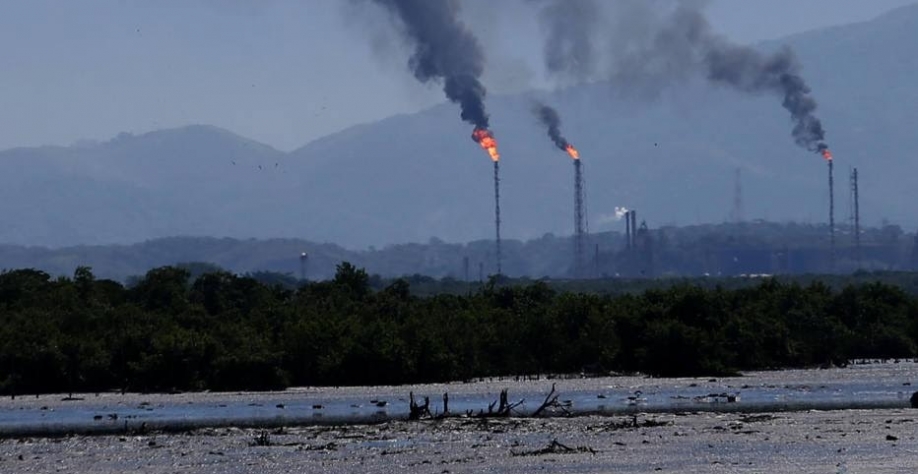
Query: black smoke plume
[[687, 32], [748, 70], [570, 28], [658, 42], [552, 121], [444, 50]]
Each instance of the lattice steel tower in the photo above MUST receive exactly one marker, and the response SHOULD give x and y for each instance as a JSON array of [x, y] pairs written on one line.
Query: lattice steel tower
[[579, 227]]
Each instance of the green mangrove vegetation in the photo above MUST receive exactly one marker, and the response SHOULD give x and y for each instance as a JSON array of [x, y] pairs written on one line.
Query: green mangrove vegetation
[[168, 331]]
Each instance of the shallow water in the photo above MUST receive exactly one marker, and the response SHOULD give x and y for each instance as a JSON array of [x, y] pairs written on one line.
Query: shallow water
[[681, 428], [880, 385]]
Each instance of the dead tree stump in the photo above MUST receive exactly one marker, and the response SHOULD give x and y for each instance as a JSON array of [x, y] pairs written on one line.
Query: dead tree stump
[[415, 411]]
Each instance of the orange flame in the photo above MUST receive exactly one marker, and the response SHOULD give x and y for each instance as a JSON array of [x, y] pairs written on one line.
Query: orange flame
[[572, 151], [486, 140], [827, 154]]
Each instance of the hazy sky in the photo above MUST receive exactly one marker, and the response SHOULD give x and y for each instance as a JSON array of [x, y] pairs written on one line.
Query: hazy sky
[[280, 71]]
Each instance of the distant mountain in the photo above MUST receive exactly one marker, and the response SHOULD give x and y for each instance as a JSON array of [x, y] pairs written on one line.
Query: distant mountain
[[413, 177], [197, 180]]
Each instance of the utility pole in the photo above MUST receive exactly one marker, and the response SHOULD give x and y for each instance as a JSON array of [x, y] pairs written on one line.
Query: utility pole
[[304, 262]]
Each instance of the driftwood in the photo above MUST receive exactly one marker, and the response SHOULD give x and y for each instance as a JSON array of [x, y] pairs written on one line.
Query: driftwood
[[262, 439], [416, 412], [504, 407], [500, 408], [551, 401], [556, 448], [633, 424], [445, 406]]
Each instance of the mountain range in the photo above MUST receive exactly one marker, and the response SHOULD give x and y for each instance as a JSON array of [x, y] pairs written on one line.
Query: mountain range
[[411, 178]]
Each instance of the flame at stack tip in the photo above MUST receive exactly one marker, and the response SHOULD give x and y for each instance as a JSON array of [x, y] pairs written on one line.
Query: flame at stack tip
[[827, 155], [486, 140], [572, 151]]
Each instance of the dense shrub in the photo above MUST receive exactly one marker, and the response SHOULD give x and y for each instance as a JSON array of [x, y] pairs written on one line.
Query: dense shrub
[[220, 331]]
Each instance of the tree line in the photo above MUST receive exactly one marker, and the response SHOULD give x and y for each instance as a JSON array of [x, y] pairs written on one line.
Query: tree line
[[715, 251], [168, 331]]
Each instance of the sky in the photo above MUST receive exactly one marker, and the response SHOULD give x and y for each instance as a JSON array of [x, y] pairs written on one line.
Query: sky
[[283, 72]]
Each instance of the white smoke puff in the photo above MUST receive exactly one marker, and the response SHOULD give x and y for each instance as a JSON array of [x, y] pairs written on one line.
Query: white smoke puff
[[611, 218]]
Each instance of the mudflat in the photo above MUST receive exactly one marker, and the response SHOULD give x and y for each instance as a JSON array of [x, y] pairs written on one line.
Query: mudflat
[[291, 430], [832, 442]]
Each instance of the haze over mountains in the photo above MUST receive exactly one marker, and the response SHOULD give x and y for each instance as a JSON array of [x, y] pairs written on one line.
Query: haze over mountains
[[413, 177]]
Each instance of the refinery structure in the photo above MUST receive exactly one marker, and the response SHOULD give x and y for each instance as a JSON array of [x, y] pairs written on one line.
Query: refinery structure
[[447, 53]]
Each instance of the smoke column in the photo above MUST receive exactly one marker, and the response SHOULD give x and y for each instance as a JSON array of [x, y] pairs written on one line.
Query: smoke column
[[552, 121], [658, 42], [748, 70], [444, 50], [570, 28]]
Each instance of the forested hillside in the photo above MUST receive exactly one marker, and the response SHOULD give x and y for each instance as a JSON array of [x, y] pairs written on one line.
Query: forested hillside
[[725, 250]]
